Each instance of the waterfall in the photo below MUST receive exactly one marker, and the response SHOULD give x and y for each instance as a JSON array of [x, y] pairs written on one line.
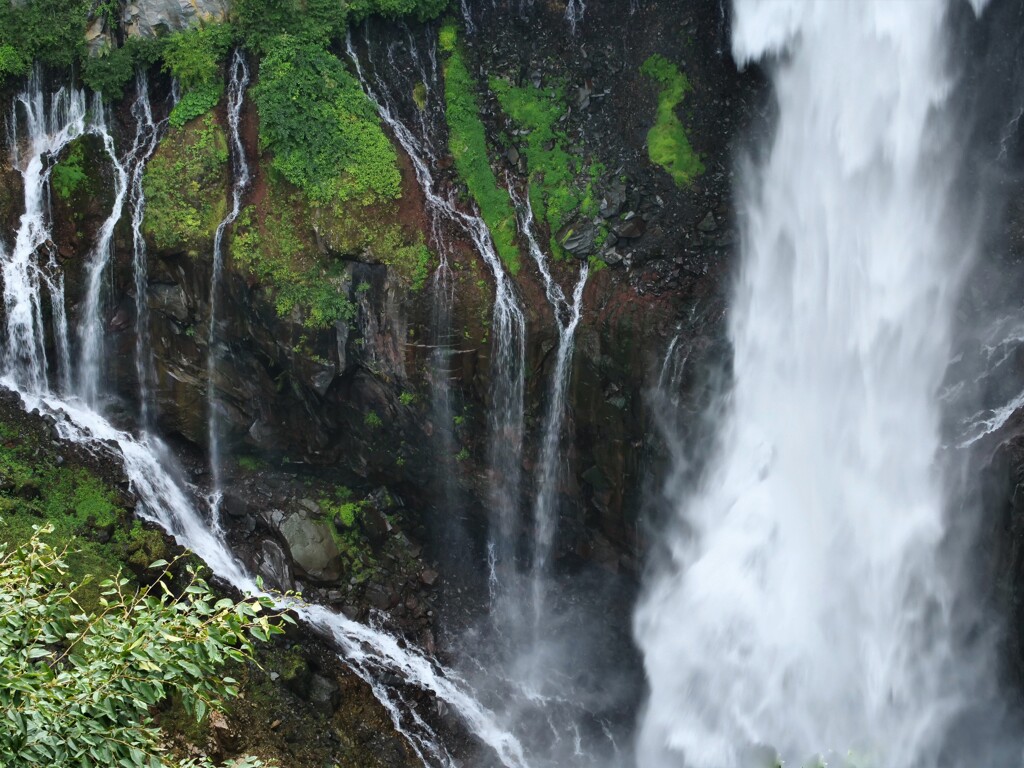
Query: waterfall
[[90, 330], [574, 10], [802, 609], [48, 131], [508, 323], [370, 652], [567, 318], [147, 138], [241, 174]]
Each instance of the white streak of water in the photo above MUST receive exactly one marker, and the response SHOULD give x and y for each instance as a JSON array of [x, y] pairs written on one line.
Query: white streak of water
[[241, 174]]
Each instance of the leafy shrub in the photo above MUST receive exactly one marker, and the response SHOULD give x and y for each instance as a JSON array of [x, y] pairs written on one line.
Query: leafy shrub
[[467, 142], [196, 102], [314, 21], [11, 62], [110, 72], [78, 688], [324, 133], [50, 31], [194, 55], [667, 144], [421, 9]]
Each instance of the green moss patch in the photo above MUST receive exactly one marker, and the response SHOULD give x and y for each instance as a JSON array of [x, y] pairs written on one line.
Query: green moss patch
[[556, 193], [186, 187], [667, 144], [467, 141]]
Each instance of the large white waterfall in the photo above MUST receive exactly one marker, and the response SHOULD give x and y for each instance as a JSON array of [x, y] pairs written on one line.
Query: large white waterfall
[[803, 609]]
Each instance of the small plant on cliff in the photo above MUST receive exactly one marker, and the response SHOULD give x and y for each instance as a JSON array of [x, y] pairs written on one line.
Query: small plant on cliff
[[667, 144], [78, 688], [372, 420], [194, 58]]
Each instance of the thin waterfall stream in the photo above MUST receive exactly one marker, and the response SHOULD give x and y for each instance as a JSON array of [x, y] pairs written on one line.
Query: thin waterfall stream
[[147, 139], [90, 331], [237, 86]]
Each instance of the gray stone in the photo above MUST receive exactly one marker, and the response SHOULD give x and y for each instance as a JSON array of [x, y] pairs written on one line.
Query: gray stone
[[580, 241], [311, 546], [324, 693], [272, 565], [150, 18]]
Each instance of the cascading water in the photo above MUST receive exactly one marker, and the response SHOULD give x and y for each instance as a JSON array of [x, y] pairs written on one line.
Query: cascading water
[[49, 128], [574, 10], [90, 331], [241, 174], [508, 325], [146, 141], [802, 608], [567, 318], [371, 652]]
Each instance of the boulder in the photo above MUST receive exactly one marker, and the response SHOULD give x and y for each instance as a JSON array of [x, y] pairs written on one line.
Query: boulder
[[151, 18], [311, 546]]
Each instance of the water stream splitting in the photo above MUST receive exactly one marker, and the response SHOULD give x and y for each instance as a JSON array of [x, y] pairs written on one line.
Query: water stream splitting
[[803, 609], [508, 324]]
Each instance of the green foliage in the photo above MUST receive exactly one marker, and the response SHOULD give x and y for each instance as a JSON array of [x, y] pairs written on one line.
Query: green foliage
[[467, 142], [555, 192], [278, 251], [68, 174], [77, 688], [422, 10], [448, 36], [667, 144], [419, 95], [11, 62], [314, 21], [185, 185], [194, 55], [407, 398], [372, 420], [50, 31], [196, 102], [324, 133]]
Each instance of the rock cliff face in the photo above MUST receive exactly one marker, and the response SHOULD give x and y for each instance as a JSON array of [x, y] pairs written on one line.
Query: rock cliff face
[[150, 18]]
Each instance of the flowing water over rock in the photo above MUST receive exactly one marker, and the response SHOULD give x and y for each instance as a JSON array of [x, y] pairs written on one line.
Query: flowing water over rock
[[240, 172], [803, 608], [371, 652], [49, 126], [147, 138]]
